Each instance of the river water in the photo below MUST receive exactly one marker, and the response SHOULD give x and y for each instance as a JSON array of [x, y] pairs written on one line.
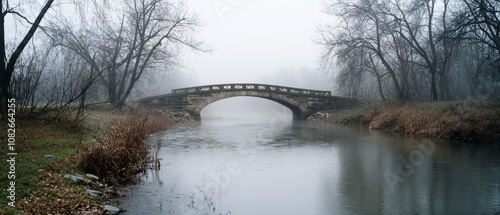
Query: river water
[[276, 166]]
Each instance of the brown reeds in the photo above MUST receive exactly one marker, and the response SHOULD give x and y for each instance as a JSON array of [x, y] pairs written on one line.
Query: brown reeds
[[122, 152], [156, 121], [454, 121]]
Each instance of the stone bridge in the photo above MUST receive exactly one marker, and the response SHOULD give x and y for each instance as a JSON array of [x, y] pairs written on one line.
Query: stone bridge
[[302, 102]]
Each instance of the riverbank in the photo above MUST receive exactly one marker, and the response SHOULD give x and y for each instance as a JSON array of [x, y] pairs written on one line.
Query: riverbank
[[468, 121], [52, 153]]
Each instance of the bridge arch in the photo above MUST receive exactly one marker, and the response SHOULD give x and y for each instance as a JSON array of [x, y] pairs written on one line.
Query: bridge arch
[[298, 109], [302, 102]]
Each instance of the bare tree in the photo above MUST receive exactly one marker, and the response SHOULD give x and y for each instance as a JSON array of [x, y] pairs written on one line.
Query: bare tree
[[26, 80], [479, 21], [365, 26], [482, 18], [8, 60], [408, 43], [148, 34], [415, 24]]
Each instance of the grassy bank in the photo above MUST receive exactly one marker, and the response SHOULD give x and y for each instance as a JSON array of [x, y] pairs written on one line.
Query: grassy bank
[[40, 185], [477, 122], [34, 139]]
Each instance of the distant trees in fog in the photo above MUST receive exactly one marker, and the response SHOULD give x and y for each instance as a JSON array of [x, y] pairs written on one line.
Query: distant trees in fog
[[94, 50], [414, 49]]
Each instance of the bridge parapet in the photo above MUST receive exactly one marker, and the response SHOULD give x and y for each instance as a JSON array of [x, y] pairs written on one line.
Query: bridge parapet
[[252, 87]]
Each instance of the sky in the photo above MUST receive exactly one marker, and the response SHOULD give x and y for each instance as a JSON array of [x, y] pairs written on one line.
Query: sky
[[259, 41], [252, 41]]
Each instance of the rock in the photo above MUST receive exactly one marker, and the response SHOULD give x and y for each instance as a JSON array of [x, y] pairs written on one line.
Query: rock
[[320, 115], [179, 116], [93, 192], [111, 209], [49, 156], [92, 176], [74, 178]]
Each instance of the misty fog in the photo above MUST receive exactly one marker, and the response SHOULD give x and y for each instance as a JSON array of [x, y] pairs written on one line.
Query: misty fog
[[411, 125], [246, 108]]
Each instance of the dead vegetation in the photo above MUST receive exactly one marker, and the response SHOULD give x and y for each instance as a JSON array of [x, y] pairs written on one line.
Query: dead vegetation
[[116, 155], [122, 153], [477, 122], [56, 195]]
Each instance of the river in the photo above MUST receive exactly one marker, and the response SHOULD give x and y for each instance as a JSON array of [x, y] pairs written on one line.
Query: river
[[276, 166]]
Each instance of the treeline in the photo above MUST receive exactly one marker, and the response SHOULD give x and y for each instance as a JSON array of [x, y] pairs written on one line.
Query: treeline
[[412, 50], [88, 51]]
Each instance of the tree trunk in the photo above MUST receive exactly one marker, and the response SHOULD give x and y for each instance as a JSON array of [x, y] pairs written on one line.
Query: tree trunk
[[379, 79], [399, 92], [81, 107], [434, 93], [380, 89], [112, 86], [4, 83]]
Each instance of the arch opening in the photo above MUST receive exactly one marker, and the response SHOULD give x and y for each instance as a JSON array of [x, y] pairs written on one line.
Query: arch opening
[[247, 107]]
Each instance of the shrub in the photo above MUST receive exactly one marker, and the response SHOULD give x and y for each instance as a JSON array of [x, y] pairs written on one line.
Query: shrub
[[120, 153]]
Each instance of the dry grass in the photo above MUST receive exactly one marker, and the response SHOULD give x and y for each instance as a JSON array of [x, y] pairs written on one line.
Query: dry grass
[[122, 153], [155, 121], [40, 184], [456, 121], [358, 115], [103, 120], [56, 195]]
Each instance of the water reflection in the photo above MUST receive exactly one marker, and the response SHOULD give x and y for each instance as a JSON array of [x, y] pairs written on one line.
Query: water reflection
[[265, 167]]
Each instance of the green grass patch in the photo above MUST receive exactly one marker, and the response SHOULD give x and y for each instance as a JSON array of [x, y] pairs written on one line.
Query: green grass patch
[[33, 141]]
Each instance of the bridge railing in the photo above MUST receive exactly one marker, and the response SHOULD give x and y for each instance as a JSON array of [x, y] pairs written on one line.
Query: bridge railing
[[252, 87]]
